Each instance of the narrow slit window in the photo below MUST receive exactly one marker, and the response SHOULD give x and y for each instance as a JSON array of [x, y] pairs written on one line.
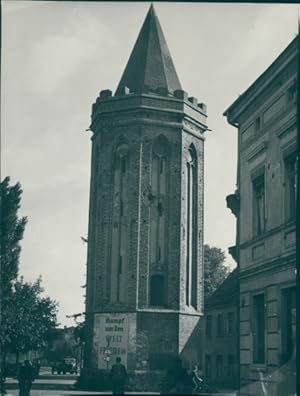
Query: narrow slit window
[[161, 165], [123, 165], [258, 205]]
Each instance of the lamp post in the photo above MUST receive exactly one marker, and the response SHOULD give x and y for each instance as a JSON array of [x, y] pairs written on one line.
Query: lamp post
[[80, 336], [107, 354]]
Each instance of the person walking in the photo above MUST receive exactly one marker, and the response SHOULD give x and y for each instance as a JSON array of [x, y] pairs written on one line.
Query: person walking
[[25, 378], [118, 376], [197, 378]]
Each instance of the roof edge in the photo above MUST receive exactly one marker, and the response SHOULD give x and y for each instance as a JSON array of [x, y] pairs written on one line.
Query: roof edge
[[259, 79]]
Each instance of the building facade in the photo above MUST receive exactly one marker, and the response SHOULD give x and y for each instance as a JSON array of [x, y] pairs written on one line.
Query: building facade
[[220, 336], [265, 205], [145, 245]]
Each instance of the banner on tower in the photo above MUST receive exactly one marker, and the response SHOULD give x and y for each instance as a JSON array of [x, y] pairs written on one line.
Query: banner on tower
[[111, 338]]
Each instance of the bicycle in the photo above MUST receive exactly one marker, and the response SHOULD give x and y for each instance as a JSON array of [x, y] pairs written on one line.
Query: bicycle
[[201, 387]]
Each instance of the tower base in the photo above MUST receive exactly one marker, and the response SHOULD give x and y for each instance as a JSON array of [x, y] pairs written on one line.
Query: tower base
[[145, 340]]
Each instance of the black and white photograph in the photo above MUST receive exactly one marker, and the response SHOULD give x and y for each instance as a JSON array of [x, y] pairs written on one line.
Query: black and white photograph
[[149, 172]]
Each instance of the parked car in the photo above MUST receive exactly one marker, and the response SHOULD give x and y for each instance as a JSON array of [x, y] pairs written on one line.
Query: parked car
[[67, 365]]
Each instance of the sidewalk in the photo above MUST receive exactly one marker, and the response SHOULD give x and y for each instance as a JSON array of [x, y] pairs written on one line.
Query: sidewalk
[[57, 386], [77, 393], [35, 392]]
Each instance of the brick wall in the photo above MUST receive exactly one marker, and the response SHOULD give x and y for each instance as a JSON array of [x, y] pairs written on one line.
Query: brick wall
[[167, 331]]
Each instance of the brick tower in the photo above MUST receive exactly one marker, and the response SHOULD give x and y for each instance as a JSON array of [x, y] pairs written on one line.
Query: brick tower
[[145, 270]]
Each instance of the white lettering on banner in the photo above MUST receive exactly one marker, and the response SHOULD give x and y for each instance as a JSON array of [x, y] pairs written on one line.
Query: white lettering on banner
[[111, 336]]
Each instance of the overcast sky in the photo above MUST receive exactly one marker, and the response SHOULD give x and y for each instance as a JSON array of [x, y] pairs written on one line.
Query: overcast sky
[[57, 56]]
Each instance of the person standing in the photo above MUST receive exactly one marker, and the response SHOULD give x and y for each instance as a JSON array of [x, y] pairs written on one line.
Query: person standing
[[118, 376], [25, 378], [37, 367]]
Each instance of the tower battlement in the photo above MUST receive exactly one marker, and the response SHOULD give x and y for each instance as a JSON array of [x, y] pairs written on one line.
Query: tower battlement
[[179, 103]]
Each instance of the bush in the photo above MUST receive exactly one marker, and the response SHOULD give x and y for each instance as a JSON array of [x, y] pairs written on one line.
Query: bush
[[143, 381], [161, 361], [94, 379], [99, 380]]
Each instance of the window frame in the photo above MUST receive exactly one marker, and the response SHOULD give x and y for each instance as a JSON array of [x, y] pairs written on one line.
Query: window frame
[[219, 359], [208, 359], [230, 365], [285, 353], [117, 290], [220, 325], [258, 220], [291, 158], [231, 332], [210, 321], [191, 290], [256, 335]]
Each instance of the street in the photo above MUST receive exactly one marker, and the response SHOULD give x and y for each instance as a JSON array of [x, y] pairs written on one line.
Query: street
[[55, 385], [48, 384]]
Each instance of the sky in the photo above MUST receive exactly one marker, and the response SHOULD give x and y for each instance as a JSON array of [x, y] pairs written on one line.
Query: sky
[[58, 56]]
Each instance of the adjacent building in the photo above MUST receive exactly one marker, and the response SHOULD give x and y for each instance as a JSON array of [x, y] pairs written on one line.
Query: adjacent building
[[265, 206], [220, 354], [145, 245]]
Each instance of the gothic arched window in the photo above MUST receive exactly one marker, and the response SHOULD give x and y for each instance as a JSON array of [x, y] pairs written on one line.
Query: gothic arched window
[[191, 227], [159, 209], [157, 291], [118, 290]]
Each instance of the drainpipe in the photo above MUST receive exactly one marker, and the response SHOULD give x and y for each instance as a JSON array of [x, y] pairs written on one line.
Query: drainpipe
[[237, 242], [298, 222], [238, 260], [238, 249]]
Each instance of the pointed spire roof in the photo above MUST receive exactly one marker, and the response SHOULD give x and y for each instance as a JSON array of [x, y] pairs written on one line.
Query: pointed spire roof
[[150, 66]]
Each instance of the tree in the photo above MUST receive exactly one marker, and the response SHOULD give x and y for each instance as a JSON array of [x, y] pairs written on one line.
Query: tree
[[11, 233], [215, 270], [26, 316], [30, 318]]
